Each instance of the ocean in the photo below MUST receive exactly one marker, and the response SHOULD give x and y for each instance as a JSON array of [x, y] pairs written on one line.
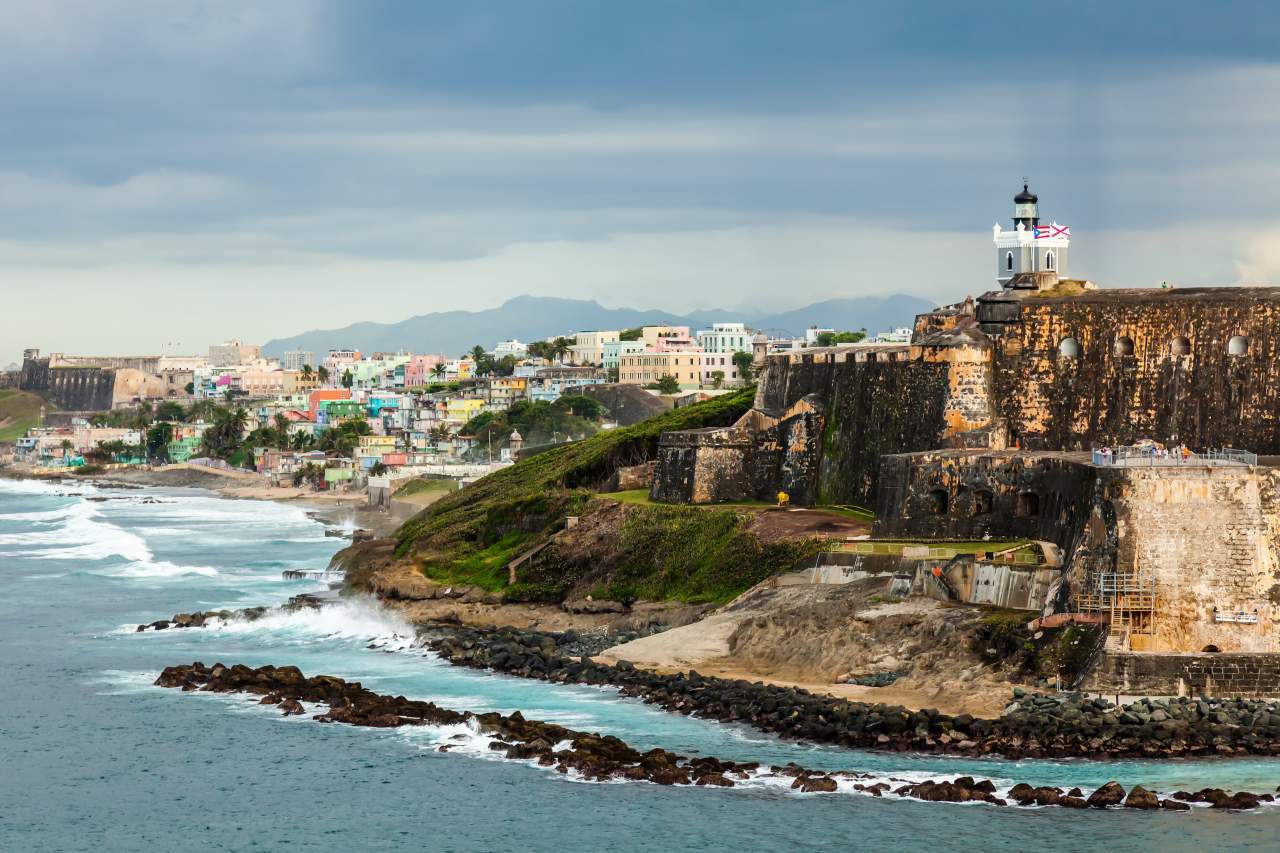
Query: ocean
[[96, 758]]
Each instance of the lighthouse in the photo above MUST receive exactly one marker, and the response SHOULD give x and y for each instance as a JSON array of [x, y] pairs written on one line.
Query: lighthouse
[[1029, 246]]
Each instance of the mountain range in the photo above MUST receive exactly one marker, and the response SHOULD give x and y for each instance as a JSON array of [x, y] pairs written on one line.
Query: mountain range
[[532, 318]]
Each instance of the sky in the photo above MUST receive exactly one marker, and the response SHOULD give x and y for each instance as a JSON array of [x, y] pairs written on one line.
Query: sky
[[178, 172]]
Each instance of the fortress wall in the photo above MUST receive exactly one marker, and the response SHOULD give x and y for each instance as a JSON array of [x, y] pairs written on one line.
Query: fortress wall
[[1208, 398], [969, 495], [142, 363], [1210, 537], [81, 389]]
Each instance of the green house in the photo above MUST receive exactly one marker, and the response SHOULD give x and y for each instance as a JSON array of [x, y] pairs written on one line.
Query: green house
[[182, 449]]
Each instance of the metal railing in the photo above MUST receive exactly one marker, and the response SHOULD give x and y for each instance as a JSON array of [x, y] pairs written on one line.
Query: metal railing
[[1144, 455]]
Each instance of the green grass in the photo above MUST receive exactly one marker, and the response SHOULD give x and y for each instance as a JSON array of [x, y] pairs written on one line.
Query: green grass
[[641, 498], [533, 496], [19, 411], [951, 547], [417, 487], [486, 568], [693, 554]]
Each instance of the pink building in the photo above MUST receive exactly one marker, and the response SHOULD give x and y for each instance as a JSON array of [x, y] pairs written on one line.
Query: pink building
[[420, 370]]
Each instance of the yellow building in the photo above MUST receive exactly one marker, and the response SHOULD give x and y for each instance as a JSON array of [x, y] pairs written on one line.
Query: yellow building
[[461, 410], [645, 367]]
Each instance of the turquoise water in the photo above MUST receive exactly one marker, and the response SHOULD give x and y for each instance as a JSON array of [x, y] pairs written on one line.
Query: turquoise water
[[95, 758]]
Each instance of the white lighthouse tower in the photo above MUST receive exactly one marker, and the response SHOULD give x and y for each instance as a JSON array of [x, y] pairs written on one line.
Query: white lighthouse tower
[[1029, 247]]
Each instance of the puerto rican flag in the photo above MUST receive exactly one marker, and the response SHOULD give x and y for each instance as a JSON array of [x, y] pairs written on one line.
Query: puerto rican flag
[[1054, 230]]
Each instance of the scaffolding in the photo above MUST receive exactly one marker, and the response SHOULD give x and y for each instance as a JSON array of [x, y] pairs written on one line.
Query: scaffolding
[[1128, 601]]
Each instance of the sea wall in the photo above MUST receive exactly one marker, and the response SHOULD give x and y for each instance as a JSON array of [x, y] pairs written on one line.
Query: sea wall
[[1200, 366], [1227, 676]]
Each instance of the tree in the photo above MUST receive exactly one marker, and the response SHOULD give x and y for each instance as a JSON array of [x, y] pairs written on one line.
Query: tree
[[347, 379], [190, 389], [170, 411], [581, 407], [307, 371], [560, 347], [830, 339], [158, 438], [742, 361], [377, 469], [717, 378], [322, 373], [283, 426], [439, 370], [478, 354], [631, 334], [666, 385]]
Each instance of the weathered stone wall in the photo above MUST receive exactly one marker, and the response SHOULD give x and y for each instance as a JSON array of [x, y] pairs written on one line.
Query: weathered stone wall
[[1210, 537], [703, 466], [72, 388], [1227, 676], [1127, 382], [969, 494]]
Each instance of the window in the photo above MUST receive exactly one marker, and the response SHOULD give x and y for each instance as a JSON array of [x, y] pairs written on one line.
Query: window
[[1124, 346], [1048, 260], [982, 502], [1180, 346], [938, 501], [1069, 348], [1238, 345], [1028, 505], [1008, 261]]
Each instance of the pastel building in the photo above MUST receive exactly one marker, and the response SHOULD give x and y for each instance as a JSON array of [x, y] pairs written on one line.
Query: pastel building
[[615, 350], [647, 367], [550, 383], [725, 338], [420, 370], [588, 347]]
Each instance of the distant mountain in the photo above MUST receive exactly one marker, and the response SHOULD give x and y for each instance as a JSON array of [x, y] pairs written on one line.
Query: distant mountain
[[531, 318]]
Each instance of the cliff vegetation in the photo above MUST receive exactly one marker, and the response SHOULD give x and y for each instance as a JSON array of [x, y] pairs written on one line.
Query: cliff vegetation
[[470, 536]]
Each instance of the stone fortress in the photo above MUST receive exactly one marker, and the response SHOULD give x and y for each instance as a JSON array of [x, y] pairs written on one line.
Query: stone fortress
[[984, 426]]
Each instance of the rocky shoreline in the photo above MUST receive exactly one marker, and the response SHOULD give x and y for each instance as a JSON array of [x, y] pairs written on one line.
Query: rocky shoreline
[[604, 758], [1033, 726]]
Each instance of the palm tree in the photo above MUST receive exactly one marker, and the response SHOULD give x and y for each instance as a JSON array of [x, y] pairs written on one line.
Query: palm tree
[[477, 353], [439, 370], [282, 430], [322, 373], [306, 371]]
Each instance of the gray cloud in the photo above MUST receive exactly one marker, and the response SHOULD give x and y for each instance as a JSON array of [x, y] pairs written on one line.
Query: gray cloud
[[258, 169]]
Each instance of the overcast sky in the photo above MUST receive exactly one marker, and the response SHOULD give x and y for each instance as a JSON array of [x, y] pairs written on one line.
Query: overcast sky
[[180, 172]]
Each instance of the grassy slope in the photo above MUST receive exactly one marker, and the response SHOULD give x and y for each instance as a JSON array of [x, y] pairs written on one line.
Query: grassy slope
[[695, 554], [19, 411], [470, 536]]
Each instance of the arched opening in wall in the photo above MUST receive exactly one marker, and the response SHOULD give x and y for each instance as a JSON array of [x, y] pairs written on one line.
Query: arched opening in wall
[[1180, 346], [1049, 261], [1124, 346], [982, 502], [1008, 261], [938, 500], [1069, 348], [1028, 505], [1238, 345]]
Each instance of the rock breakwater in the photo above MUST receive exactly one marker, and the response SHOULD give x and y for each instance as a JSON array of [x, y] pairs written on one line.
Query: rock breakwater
[[598, 757], [1033, 726]]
